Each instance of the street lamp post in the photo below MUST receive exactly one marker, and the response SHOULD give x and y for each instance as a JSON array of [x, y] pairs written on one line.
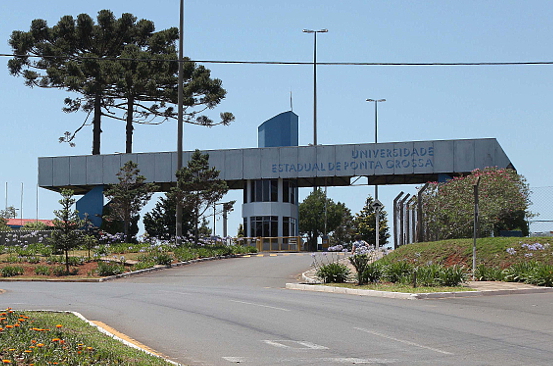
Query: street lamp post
[[377, 210], [180, 127], [324, 30]]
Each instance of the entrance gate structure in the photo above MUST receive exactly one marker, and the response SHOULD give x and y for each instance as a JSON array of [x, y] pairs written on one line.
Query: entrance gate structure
[[270, 175]]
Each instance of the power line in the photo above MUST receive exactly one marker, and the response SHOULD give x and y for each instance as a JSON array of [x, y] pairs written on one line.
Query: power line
[[295, 63]]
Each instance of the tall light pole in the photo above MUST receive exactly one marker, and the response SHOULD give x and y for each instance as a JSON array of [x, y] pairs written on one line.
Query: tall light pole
[[180, 128], [377, 207], [324, 30]]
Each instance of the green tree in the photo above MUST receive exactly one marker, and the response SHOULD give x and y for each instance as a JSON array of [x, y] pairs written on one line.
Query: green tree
[[129, 195], [161, 221], [319, 214], [198, 188], [504, 198], [345, 232], [115, 64], [35, 225], [365, 224], [67, 224]]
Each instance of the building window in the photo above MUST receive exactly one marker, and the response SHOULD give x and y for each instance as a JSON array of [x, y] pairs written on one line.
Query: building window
[[266, 226], [289, 191], [288, 226], [264, 190]]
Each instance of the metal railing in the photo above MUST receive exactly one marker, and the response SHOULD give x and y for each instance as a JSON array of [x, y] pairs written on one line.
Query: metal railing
[[273, 244]]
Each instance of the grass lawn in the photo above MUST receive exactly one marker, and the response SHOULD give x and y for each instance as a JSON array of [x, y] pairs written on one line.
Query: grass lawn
[[46, 338]]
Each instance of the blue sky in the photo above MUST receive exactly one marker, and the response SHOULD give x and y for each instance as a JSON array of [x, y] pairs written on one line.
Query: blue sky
[[511, 103]]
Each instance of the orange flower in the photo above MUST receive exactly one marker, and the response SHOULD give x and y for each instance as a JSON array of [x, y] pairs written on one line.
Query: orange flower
[[28, 351], [9, 326], [55, 339], [6, 361], [40, 345], [33, 341], [16, 325], [58, 326]]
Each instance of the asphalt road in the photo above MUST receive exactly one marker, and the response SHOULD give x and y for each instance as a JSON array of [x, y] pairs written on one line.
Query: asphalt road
[[236, 311]]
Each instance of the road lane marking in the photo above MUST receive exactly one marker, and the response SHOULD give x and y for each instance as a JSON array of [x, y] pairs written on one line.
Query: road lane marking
[[260, 305], [306, 345], [403, 341], [235, 359]]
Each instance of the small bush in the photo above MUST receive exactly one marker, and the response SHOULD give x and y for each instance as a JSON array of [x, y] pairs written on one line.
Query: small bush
[[398, 272], [61, 271], [333, 272], [373, 273], [11, 271], [520, 272], [110, 269], [43, 270], [452, 276], [542, 275], [485, 273], [427, 275]]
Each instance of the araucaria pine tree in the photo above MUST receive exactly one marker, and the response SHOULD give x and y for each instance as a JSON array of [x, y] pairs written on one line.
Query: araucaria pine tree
[[67, 224], [129, 195]]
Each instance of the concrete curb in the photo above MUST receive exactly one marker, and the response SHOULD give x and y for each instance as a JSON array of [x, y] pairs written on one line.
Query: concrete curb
[[411, 296]]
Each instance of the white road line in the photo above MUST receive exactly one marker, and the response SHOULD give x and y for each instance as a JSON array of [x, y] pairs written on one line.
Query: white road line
[[304, 344], [235, 359], [263, 306], [403, 341], [359, 361]]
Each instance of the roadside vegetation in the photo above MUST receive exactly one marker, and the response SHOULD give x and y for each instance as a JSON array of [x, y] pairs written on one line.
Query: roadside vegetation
[[443, 264], [104, 257], [46, 338]]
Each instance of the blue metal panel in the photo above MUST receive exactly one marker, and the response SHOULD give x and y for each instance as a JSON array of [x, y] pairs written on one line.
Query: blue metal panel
[[281, 130], [91, 205]]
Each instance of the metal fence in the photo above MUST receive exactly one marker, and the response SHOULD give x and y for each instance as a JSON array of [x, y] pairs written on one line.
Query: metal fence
[[408, 228]]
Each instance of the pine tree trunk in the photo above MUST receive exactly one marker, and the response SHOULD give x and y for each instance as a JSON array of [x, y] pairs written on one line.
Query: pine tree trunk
[[130, 128], [96, 129]]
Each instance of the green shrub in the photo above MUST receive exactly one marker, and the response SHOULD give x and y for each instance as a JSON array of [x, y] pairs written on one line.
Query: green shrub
[[360, 262], [520, 272], [398, 272], [43, 270], [333, 272], [373, 273], [61, 271], [184, 254], [487, 273], [110, 269], [452, 276], [10, 271], [427, 275], [542, 275]]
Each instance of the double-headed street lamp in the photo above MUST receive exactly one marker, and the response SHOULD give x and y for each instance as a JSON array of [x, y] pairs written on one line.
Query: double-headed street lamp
[[324, 30], [377, 204]]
